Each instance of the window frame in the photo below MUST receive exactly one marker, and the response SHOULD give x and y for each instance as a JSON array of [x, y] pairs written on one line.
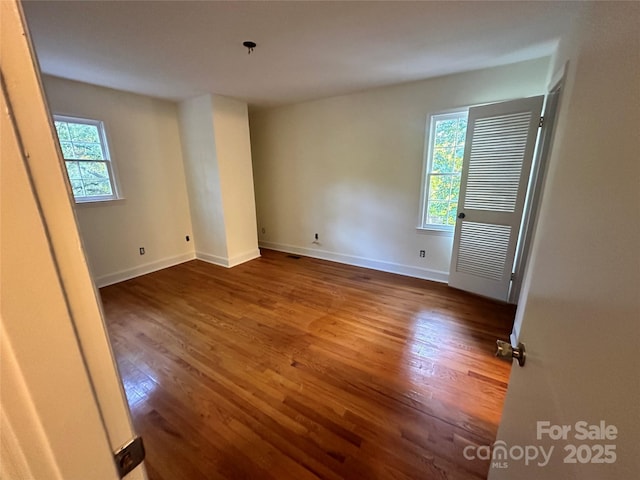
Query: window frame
[[107, 161], [423, 225]]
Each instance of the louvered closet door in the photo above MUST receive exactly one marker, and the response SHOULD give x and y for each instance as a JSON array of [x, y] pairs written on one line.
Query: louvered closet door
[[495, 176]]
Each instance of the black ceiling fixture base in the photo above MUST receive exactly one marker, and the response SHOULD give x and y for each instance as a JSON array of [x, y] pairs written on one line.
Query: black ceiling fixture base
[[250, 46]]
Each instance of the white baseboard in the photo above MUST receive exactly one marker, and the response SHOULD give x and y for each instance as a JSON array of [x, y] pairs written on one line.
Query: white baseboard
[[215, 259], [244, 257], [408, 270], [123, 275], [228, 262]]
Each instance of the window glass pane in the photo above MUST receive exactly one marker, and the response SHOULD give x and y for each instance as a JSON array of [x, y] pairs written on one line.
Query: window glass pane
[[440, 187], [458, 156], [73, 170], [78, 188], [455, 187], [437, 212], [451, 214], [93, 171], [445, 167], [63, 131], [83, 133], [86, 157], [67, 150], [461, 131], [79, 141], [87, 151], [97, 187], [443, 160], [446, 131]]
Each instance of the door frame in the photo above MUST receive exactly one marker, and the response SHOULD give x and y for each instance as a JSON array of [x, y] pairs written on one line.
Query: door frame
[[536, 183]]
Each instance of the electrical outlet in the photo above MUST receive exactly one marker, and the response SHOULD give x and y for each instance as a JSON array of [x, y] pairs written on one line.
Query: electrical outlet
[[141, 250], [187, 238], [423, 254], [316, 236]]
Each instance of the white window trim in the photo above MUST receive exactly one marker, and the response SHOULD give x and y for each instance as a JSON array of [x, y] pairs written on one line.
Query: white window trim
[[108, 161], [423, 227]]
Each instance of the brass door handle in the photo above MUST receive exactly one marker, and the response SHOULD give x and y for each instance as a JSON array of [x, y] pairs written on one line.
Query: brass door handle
[[507, 352]]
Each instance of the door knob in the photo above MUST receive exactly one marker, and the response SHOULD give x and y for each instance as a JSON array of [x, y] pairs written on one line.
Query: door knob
[[461, 215], [507, 352]]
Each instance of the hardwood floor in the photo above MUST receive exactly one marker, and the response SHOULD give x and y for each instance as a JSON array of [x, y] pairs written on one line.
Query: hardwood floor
[[285, 368]]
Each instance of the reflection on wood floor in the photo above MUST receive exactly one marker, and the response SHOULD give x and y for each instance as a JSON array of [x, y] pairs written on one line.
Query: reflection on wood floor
[[285, 368]]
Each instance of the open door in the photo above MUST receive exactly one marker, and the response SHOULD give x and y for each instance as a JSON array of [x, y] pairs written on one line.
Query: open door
[[62, 398], [500, 141]]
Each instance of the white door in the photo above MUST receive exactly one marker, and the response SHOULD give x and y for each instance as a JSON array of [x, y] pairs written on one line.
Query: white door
[[499, 150], [63, 401]]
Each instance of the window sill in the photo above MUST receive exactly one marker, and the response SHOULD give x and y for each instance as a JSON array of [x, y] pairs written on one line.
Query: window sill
[[99, 203], [439, 232]]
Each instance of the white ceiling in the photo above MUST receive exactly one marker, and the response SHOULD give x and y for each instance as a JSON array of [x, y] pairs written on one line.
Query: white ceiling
[[306, 50]]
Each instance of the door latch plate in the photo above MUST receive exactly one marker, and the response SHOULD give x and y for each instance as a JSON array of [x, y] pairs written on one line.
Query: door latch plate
[[129, 456]]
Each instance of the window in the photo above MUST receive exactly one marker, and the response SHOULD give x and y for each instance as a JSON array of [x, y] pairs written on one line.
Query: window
[[443, 169], [86, 156]]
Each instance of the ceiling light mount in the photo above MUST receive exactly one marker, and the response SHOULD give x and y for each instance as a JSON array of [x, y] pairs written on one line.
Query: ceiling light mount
[[250, 46]]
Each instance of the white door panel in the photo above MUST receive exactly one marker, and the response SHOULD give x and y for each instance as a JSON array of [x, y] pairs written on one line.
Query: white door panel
[[495, 175], [77, 396]]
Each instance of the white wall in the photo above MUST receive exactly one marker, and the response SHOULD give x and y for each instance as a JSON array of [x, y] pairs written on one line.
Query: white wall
[[231, 125], [349, 168], [203, 178], [580, 305], [217, 153], [144, 141]]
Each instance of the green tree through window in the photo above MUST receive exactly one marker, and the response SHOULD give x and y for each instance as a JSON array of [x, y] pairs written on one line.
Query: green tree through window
[[447, 134], [86, 157]]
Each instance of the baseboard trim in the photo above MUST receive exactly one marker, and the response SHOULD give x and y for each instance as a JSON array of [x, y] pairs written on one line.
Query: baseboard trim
[[408, 270], [215, 259], [130, 273], [391, 267], [228, 262], [244, 257]]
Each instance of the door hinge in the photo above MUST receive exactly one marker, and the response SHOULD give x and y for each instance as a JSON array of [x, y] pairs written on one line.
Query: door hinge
[[541, 123], [129, 456], [513, 277]]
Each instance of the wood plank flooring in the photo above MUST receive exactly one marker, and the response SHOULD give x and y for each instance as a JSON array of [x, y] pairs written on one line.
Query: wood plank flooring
[[285, 368]]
